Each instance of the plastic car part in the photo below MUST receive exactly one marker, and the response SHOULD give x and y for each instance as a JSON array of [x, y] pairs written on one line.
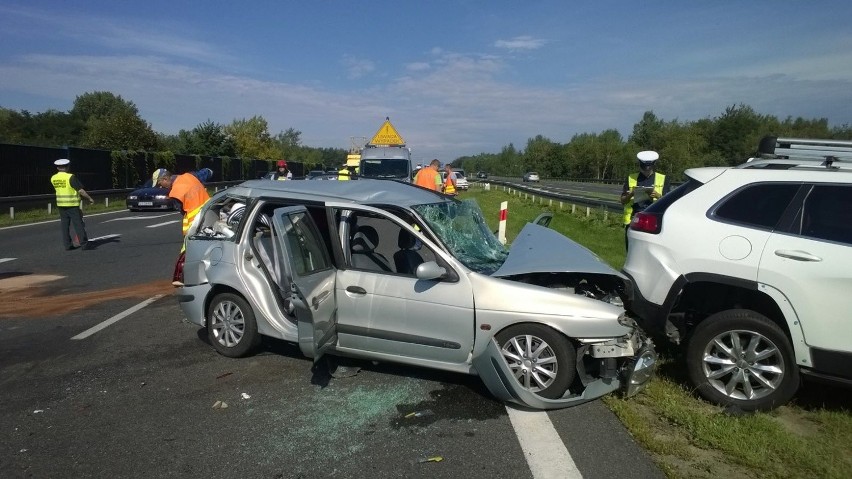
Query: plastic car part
[[231, 326], [741, 358], [541, 359]]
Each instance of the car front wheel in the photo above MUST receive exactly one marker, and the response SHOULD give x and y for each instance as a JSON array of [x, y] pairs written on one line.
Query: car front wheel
[[741, 358], [541, 359], [231, 326]]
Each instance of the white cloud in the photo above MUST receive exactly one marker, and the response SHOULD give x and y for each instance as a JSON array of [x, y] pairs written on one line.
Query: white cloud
[[357, 67], [523, 42]]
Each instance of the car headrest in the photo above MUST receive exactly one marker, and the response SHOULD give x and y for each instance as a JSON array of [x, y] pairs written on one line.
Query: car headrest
[[365, 239]]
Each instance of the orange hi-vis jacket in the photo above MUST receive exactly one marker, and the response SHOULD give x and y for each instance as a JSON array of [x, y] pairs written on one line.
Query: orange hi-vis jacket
[[450, 184], [426, 178], [192, 194]]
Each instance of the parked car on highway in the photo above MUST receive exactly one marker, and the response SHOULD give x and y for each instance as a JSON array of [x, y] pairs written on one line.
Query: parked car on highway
[[149, 198], [386, 271], [531, 176], [748, 269]]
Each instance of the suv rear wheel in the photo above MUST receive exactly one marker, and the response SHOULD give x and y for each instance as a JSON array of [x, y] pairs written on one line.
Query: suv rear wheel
[[741, 358]]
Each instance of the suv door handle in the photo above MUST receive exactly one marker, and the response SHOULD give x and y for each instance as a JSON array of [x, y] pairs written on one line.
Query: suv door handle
[[796, 255], [356, 290]]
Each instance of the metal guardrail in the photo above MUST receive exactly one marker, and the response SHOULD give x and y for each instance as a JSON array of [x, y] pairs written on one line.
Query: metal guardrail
[[612, 206]]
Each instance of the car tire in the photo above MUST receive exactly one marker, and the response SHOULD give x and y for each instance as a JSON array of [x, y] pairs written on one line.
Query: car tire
[[552, 370], [741, 358], [231, 326]]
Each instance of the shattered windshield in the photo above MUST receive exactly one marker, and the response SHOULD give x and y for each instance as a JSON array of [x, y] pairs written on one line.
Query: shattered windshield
[[462, 228]]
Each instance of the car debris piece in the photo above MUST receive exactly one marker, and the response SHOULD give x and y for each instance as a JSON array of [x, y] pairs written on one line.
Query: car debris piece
[[431, 459]]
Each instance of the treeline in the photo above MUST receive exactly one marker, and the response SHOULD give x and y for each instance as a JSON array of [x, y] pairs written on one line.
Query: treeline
[[726, 140], [105, 121]]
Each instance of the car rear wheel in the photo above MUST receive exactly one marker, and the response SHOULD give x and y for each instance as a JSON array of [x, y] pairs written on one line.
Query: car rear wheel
[[231, 326], [741, 358], [541, 359]]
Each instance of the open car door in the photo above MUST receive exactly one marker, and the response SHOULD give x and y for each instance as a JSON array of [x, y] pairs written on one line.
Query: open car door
[[306, 266]]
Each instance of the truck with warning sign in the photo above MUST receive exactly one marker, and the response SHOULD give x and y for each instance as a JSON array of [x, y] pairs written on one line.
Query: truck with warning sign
[[386, 156]]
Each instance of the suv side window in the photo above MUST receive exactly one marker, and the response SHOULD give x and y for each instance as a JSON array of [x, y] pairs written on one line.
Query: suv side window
[[827, 213], [760, 205]]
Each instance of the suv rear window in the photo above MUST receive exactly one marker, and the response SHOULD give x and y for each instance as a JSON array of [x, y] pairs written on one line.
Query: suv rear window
[[759, 205], [660, 206]]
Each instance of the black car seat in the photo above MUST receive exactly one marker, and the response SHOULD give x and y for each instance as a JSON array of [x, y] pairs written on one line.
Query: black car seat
[[406, 259], [364, 255]]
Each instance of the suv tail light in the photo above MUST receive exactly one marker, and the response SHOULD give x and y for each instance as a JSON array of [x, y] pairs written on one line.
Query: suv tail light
[[177, 277], [647, 222]]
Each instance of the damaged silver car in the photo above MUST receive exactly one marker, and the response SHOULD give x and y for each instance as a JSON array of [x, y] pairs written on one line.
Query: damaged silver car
[[388, 271]]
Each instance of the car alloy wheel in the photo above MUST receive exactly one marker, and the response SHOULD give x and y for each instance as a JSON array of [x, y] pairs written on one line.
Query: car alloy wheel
[[540, 359], [742, 358], [231, 326]]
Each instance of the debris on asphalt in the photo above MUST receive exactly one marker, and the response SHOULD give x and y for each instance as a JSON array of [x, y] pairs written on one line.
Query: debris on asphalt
[[423, 413], [245, 396], [223, 375], [431, 459], [38, 411], [220, 405]]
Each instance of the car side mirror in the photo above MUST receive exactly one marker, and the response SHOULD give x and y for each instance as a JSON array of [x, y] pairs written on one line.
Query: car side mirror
[[430, 270]]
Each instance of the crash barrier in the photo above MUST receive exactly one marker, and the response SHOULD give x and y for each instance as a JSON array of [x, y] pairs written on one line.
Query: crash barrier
[[540, 195]]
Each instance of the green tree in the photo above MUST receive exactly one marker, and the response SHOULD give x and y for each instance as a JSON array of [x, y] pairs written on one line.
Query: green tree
[[251, 138], [112, 123]]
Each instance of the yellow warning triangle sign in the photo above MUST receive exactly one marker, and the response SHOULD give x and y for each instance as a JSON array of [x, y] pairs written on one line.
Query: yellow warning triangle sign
[[387, 136]]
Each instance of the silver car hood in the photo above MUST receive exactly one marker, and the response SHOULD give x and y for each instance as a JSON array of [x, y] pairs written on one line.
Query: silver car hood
[[539, 249]]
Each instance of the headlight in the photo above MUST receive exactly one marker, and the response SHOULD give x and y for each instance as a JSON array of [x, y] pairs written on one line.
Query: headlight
[[132, 197], [160, 197]]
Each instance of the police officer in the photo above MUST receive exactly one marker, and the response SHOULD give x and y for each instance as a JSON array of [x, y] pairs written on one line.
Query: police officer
[[68, 192], [642, 188]]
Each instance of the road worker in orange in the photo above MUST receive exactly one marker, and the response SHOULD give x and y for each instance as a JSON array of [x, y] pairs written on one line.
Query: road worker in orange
[[429, 177], [186, 190]]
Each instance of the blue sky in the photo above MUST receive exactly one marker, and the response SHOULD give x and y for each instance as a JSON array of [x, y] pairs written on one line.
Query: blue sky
[[455, 77]]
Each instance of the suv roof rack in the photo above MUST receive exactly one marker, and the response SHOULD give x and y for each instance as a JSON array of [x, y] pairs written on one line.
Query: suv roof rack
[[785, 153]]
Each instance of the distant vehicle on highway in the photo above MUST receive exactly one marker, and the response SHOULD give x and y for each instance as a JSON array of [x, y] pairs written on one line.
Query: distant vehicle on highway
[[531, 176], [482, 175]]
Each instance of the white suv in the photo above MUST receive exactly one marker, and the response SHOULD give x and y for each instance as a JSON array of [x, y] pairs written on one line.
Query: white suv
[[750, 268]]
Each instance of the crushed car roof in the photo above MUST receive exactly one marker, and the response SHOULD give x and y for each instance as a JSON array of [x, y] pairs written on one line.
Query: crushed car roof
[[360, 191]]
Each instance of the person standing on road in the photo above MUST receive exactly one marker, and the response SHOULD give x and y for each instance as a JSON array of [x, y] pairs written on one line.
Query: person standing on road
[[428, 177], [186, 190], [642, 188], [69, 189], [450, 181]]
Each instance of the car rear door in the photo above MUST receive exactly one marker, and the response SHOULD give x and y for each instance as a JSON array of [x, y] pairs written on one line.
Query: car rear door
[[306, 265]]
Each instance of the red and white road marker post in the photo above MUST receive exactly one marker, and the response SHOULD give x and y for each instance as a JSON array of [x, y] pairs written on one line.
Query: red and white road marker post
[[501, 227]]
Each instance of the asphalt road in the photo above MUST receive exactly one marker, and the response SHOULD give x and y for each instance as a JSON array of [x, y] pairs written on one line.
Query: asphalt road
[[136, 398]]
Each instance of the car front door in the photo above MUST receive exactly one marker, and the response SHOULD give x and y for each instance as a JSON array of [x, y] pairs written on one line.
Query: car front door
[[386, 310], [306, 265]]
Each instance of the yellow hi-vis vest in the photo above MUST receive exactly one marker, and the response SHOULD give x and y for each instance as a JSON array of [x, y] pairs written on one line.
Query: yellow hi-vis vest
[[343, 175], [632, 181], [66, 196], [449, 186]]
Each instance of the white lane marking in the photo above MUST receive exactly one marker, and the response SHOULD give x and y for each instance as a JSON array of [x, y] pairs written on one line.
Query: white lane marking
[[3, 260], [118, 317], [105, 237], [544, 450], [57, 221], [140, 217], [163, 224]]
